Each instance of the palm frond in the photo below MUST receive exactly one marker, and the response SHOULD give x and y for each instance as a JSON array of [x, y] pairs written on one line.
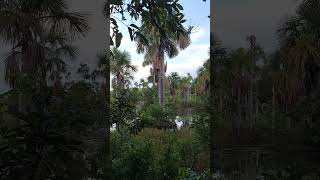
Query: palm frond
[[12, 68]]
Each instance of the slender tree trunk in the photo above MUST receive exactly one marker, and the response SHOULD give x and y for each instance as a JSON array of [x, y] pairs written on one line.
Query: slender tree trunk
[[239, 113], [194, 96], [161, 77], [221, 101], [257, 108], [251, 94]]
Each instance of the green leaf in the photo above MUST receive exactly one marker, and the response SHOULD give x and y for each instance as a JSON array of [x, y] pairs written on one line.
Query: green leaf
[[118, 39], [135, 26], [114, 22], [183, 21], [144, 39], [130, 33], [111, 41], [179, 7]]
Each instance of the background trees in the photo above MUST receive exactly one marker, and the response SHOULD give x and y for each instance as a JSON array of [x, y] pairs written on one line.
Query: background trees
[[55, 128], [261, 93]]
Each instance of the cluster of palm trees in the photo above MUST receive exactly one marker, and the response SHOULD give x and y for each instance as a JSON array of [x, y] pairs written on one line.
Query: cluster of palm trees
[[186, 89], [267, 103], [252, 95], [178, 88]]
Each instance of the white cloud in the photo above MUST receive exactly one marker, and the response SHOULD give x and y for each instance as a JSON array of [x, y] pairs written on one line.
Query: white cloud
[[198, 34], [189, 60]]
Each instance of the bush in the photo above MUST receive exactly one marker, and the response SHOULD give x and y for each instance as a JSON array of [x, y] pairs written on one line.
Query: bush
[[157, 154]]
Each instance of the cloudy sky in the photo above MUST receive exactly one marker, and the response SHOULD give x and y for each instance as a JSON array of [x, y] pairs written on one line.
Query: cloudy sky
[[234, 20]]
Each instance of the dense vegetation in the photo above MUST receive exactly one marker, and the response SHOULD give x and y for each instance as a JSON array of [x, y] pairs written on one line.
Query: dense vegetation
[[265, 105], [58, 125], [55, 125], [146, 142]]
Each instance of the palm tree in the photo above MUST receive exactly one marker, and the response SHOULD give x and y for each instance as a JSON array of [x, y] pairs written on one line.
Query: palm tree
[[202, 80], [160, 43], [298, 38], [174, 79], [239, 80], [185, 87], [52, 51], [121, 68], [26, 24], [255, 52]]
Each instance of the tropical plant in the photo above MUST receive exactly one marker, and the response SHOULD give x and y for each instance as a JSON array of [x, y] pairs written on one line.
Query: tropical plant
[[298, 38], [160, 43], [121, 68], [28, 27], [174, 79]]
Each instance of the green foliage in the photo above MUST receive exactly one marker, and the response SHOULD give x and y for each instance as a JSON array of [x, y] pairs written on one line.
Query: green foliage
[[158, 118], [39, 33], [200, 124], [156, 154], [51, 134], [148, 11], [188, 174]]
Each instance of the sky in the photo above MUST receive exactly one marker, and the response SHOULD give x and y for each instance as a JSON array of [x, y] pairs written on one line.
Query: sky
[[233, 19]]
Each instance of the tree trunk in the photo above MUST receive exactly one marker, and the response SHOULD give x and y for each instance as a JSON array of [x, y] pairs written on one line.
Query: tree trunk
[[195, 96], [161, 77], [257, 109], [251, 96], [239, 113]]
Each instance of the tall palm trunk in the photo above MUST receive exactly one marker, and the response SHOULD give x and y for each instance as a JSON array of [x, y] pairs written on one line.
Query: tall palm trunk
[[251, 94], [161, 76]]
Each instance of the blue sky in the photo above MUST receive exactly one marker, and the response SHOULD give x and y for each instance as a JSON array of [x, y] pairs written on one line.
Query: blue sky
[[189, 60]]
